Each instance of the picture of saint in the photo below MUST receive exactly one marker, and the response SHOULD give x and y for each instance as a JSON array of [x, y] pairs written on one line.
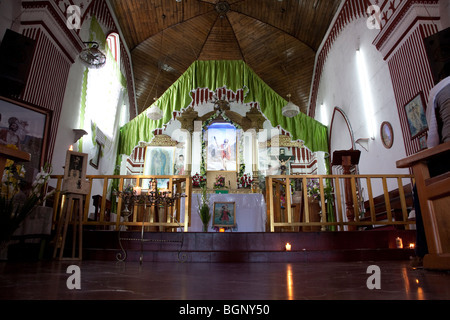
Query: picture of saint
[[16, 132], [75, 166], [224, 214], [221, 147], [159, 161], [415, 114], [179, 166], [25, 129]]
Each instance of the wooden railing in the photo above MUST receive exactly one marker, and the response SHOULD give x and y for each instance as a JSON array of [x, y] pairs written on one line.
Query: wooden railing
[[344, 202], [376, 201], [109, 208]]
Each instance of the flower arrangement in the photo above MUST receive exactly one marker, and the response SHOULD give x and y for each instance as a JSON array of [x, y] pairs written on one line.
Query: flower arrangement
[[198, 181], [313, 189], [16, 205], [203, 209], [13, 176], [220, 182], [245, 181]]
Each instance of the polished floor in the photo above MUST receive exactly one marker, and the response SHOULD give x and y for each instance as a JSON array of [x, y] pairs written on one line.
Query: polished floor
[[106, 280]]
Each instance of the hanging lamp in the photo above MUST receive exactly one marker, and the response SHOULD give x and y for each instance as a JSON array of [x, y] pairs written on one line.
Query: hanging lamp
[[290, 110], [154, 112], [92, 56]]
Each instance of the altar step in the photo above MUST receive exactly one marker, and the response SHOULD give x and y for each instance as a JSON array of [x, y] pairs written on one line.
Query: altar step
[[250, 247]]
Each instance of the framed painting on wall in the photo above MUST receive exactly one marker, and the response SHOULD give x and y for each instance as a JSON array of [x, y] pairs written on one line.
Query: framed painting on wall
[[26, 127], [159, 161], [224, 214], [221, 147], [415, 114], [387, 134]]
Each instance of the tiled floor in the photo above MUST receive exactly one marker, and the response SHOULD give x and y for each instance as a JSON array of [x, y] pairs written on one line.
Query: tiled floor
[[103, 280]]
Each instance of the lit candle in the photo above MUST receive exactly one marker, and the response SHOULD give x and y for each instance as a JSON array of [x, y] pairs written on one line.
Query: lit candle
[[288, 246], [411, 245], [399, 243], [71, 148], [222, 230]]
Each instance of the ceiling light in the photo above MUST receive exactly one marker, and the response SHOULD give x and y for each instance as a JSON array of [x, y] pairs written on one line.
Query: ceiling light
[[290, 110], [92, 56], [154, 113]]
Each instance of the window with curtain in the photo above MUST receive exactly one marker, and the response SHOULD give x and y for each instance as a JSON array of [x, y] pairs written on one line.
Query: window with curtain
[[103, 90]]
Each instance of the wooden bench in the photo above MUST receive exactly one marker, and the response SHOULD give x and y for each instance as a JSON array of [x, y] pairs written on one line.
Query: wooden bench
[[434, 197], [396, 207]]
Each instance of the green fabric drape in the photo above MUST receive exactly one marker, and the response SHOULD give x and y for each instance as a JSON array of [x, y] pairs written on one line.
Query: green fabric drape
[[235, 75]]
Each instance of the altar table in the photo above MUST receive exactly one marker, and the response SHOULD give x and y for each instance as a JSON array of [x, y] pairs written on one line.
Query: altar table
[[250, 211]]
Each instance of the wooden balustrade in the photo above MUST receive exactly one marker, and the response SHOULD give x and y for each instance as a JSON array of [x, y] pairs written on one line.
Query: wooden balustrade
[[284, 213], [109, 211], [312, 215]]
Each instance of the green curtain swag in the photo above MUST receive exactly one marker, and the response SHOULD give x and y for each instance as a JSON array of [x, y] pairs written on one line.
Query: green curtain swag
[[234, 75]]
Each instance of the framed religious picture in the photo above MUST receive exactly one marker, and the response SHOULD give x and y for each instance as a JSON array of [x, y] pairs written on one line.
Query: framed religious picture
[[221, 147], [75, 173], [423, 142], [224, 214], [26, 127], [159, 161], [415, 114], [387, 134], [96, 159], [179, 162]]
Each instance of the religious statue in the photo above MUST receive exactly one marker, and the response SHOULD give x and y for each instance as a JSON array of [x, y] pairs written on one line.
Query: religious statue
[[283, 165]]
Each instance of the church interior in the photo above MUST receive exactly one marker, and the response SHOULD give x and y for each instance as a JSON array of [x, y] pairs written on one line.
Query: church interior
[[280, 149]]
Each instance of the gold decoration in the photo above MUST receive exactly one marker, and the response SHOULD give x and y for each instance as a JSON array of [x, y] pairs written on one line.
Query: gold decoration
[[283, 141]]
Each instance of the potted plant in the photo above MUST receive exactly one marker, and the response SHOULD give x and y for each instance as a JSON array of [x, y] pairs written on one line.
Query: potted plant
[[203, 209], [16, 205]]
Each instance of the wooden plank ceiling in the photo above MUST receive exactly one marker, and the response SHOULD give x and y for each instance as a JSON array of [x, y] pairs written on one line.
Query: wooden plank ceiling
[[278, 39]]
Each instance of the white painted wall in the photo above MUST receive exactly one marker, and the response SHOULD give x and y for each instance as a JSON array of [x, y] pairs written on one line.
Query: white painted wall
[[70, 119], [339, 86]]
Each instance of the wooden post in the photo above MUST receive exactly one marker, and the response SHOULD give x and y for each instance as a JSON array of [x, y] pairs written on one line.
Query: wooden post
[[347, 159], [77, 227]]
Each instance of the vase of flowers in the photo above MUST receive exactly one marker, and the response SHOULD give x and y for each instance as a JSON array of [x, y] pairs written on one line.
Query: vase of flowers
[[245, 181], [198, 181], [204, 210], [15, 203], [220, 182]]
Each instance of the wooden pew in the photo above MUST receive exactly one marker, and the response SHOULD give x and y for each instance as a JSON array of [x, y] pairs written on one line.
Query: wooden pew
[[434, 197], [396, 207]]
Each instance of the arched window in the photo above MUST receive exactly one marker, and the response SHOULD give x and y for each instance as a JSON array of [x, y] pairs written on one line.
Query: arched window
[[104, 90], [114, 45]]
